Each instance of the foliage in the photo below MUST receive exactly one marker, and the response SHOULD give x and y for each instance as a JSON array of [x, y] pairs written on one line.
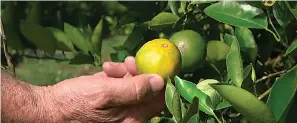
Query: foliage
[[256, 70]]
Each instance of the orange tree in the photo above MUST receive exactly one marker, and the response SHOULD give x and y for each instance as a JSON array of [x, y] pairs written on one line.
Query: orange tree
[[238, 59]]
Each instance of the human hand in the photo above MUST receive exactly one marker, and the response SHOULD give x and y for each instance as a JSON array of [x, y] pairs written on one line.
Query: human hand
[[118, 94]]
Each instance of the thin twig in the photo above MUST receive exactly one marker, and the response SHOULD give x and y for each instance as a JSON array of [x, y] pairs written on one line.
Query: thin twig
[[7, 56], [269, 76], [265, 94]]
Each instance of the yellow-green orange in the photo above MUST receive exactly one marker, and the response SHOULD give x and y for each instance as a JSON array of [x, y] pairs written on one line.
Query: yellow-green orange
[[192, 48], [217, 50], [158, 56]]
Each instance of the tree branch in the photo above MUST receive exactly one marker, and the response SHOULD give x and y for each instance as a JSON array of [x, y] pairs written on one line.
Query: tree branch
[[269, 76], [7, 56]]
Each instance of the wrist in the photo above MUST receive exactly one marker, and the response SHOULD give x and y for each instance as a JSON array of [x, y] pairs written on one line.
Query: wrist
[[50, 108]]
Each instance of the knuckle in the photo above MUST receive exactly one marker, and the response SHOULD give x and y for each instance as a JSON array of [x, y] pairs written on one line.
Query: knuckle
[[140, 90]]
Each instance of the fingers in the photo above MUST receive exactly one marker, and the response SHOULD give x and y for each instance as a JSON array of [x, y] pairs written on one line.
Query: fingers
[[135, 89], [152, 108], [143, 111], [131, 65], [119, 70], [113, 69]]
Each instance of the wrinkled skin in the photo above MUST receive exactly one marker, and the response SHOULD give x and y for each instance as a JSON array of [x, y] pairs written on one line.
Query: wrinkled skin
[[117, 94]]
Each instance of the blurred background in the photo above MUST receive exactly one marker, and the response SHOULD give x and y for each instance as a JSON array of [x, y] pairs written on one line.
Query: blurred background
[[32, 51]]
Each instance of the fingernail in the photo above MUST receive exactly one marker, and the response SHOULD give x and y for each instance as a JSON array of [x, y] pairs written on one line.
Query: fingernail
[[113, 64], [157, 83], [129, 58]]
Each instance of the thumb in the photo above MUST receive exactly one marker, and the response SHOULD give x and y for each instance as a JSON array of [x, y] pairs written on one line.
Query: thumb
[[135, 89]]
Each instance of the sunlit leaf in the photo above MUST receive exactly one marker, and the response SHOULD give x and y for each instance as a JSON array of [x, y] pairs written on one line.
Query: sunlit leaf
[[77, 38], [97, 36], [208, 90], [188, 90], [237, 14]]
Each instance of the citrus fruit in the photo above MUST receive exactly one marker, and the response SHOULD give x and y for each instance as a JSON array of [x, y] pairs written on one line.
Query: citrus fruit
[[192, 48], [158, 56], [216, 50]]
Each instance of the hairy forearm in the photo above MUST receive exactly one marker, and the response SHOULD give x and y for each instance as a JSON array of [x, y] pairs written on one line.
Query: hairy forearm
[[22, 102]]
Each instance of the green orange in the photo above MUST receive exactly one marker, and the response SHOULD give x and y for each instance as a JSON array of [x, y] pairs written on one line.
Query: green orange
[[192, 47]]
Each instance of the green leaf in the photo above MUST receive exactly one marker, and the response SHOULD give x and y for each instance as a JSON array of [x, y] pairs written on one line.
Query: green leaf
[[169, 93], [282, 93], [245, 103], [202, 1], [248, 46], [237, 14], [163, 20], [193, 110], [229, 39], [63, 43], [173, 5], [223, 104], [120, 55], [162, 120], [96, 38], [136, 37], [36, 12], [247, 77], [176, 106], [11, 26], [40, 36], [234, 64], [292, 48], [77, 38], [82, 59], [188, 90], [209, 91], [294, 11], [281, 13], [194, 119]]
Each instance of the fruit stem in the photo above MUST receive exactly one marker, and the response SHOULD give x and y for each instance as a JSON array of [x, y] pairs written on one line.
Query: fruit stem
[[276, 36], [217, 118]]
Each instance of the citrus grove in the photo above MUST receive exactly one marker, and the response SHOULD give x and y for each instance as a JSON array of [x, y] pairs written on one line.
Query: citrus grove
[[222, 61]]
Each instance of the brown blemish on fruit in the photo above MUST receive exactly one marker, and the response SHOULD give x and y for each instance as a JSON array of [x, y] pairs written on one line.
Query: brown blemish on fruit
[[183, 47], [165, 45]]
